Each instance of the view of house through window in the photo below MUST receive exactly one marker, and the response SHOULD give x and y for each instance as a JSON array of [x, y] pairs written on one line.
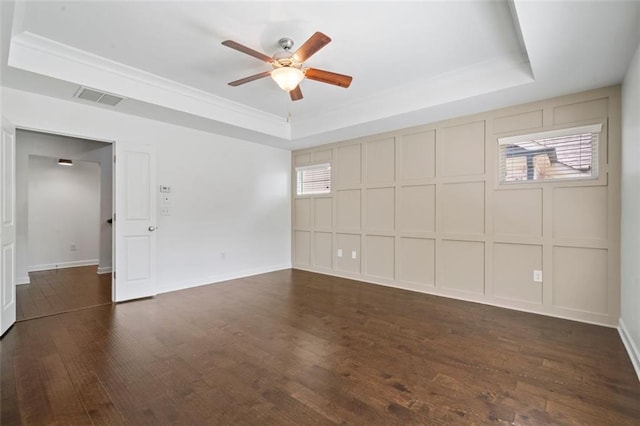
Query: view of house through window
[[314, 179], [564, 154]]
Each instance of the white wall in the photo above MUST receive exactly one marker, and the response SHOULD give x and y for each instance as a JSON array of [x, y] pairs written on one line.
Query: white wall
[[33, 143], [229, 195], [64, 213], [630, 240]]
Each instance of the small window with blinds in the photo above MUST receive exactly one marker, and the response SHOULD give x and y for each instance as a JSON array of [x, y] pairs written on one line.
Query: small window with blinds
[[557, 154], [314, 179]]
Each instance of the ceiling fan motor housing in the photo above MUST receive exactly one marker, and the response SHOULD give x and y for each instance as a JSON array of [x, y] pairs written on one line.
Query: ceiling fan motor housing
[[286, 43]]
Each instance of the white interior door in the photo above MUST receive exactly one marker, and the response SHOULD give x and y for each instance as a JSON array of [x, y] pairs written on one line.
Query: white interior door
[[8, 227], [135, 221]]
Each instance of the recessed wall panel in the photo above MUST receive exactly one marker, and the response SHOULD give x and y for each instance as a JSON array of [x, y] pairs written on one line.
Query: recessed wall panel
[[301, 159], [302, 216], [513, 266], [518, 122], [462, 264], [417, 160], [518, 212], [580, 279], [323, 213], [416, 261], [348, 243], [580, 111], [381, 161], [380, 256], [580, 212], [322, 156], [461, 150], [349, 167], [463, 208], [380, 209], [302, 248], [417, 209], [348, 209], [322, 249]]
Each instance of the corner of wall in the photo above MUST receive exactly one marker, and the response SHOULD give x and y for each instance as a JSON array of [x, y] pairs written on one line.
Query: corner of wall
[[632, 349]]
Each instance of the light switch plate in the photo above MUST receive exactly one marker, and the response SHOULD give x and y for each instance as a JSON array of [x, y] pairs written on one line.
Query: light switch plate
[[537, 276], [339, 252], [354, 255]]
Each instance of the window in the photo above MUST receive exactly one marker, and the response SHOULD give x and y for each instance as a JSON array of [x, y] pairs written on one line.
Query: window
[[557, 154], [314, 179]]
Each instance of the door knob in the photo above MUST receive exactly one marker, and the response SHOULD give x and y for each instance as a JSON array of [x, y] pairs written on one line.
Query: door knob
[[152, 228]]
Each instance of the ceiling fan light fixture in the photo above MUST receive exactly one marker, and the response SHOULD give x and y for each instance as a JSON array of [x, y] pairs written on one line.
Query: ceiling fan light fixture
[[287, 78]]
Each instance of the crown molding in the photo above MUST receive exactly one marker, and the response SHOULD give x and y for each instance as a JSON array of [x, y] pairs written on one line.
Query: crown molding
[[34, 53]]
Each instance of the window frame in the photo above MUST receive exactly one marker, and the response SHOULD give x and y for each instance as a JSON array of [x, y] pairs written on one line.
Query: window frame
[[596, 170], [301, 169]]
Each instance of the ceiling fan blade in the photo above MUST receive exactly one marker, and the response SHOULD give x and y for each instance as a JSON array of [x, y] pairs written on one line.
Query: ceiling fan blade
[[244, 49], [250, 78], [328, 77], [316, 42], [296, 94]]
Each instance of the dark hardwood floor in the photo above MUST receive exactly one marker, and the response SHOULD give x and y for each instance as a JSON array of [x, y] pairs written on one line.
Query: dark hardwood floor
[[297, 348], [62, 290]]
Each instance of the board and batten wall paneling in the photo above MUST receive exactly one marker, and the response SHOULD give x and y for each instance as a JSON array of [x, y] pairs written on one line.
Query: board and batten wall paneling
[[422, 209]]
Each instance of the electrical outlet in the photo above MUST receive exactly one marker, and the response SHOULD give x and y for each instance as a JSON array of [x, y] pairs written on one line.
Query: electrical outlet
[[339, 252], [165, 211], [537, 276], [354, 255], [74, 247]]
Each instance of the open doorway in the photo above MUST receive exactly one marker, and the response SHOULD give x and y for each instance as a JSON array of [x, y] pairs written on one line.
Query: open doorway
[[64, 232]]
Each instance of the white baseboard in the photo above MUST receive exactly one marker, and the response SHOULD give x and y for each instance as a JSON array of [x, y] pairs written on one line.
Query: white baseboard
[[631, 347], [62, 265], [104, 270], [222, 277], [23, 280]]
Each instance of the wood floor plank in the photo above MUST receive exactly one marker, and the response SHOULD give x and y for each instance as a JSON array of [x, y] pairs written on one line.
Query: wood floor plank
[[293, 347]]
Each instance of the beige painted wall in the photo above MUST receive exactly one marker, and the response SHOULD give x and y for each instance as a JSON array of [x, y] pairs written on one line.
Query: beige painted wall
[[421, 209]]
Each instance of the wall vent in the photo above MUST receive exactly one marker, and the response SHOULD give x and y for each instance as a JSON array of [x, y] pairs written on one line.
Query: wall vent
[[93, 95]]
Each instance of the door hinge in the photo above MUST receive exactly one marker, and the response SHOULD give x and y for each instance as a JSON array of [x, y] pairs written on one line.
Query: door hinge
[[114, 275], [114, 158], [114, 217]]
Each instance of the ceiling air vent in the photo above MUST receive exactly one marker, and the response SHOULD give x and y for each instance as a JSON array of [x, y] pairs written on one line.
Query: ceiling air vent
[[97, 96]]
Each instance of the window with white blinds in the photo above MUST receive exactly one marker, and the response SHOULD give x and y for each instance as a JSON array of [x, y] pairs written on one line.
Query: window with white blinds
[[558, 154], [314, 179]]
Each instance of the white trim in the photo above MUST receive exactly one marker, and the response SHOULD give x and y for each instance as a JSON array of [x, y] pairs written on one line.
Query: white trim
[[35, 53], [62, 265], [313, 166], [23, 280], [630, 346], [592, 128], [104, 270]]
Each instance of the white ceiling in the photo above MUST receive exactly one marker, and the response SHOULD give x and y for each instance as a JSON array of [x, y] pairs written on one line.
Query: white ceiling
[[411, 62]]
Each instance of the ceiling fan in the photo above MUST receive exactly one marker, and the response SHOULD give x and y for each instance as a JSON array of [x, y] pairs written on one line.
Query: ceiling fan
[[288, 70]]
